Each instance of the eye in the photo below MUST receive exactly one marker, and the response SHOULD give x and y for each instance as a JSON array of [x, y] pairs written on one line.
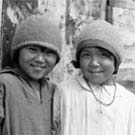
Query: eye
[[106, 55], [32, 49], [85, 54], [50, 53]]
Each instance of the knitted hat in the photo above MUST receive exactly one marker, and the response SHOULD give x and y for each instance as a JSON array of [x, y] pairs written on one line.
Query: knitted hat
[[37, 30], [98, 33]]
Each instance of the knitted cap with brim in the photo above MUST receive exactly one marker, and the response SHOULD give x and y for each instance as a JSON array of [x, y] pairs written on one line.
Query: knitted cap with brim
[[37, 30], [104, 35]]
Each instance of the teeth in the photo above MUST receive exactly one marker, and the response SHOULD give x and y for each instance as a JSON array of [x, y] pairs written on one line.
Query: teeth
[[38, 68]]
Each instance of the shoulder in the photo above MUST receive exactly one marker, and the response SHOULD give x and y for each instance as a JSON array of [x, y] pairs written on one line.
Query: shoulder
[[70, 86], [123, 91], [51, 86], [69, 81], [125, 94], [7, 77], [8, 82]]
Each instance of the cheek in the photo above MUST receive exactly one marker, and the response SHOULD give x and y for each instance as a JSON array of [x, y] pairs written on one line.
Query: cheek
[[83, 65], [22, 62], [110, 67], [52, 61], [23, 58]]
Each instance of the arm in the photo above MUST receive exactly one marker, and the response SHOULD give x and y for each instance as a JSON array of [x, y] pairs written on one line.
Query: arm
[[1, 104], [131, 123], [56, 112]]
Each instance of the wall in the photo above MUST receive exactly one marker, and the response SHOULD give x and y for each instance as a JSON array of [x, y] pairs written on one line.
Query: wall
[[1, 2], [71, 16], [123, 16]]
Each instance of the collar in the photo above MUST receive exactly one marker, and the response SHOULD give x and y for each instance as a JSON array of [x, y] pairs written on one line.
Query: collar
[[82, 82], [16, 71], [97, 88]]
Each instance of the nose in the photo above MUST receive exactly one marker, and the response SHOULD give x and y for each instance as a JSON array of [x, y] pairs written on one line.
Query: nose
[[40, 58], [94, 61]]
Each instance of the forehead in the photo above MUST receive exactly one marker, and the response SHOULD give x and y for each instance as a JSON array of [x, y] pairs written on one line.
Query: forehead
[[34, 46], [37, 47], [94, 49]]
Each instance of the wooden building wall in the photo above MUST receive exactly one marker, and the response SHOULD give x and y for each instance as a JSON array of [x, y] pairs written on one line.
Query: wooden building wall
[[71, 16]]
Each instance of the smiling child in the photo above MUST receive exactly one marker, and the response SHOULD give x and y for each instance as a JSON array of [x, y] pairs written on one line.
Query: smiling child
[[93, 103], [25, 92]]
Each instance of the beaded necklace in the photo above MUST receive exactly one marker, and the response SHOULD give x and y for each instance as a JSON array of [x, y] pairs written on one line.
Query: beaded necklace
[[98, 100]]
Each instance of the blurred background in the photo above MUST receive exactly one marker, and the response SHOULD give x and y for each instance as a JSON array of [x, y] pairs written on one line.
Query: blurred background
[[71, 16]]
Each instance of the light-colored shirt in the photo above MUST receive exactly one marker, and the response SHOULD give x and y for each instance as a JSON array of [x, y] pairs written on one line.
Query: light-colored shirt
[[77, 112]]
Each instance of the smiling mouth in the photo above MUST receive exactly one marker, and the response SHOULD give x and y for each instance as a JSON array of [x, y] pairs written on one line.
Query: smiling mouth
[[95, 72], [38, 67]]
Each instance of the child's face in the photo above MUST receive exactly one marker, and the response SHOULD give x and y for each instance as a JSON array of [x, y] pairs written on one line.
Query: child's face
[[36, 62], [97, 65]]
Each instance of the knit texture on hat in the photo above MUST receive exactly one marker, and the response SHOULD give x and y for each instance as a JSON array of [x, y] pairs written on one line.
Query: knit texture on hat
[[97, 31], [37, 30]]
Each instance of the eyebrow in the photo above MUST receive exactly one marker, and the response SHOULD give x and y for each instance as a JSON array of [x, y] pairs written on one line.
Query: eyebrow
[[85, 50]]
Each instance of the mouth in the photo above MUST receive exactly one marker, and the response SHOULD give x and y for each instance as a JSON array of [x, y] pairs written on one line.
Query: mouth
[[95, 72], [38, 67]]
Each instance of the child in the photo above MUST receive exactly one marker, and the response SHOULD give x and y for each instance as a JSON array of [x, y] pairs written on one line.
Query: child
[[93, 103], [25, 92]]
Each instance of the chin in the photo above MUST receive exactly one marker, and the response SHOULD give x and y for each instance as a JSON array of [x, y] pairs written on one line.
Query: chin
[[97, 82], [36, 77]]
